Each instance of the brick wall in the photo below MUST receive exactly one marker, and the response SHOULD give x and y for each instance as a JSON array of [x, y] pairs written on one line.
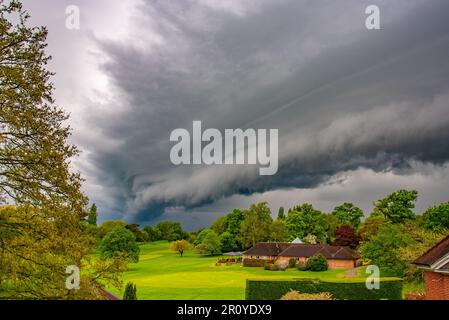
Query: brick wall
[[335, 264], [437, 285]]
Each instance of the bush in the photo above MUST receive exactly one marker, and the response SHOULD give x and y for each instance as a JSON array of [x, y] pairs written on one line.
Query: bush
[[292, 263], [282, 265], [271, 266], [130, 292], [390, 289], [255, 262], [301, 265], [295, 295], [317, 263]]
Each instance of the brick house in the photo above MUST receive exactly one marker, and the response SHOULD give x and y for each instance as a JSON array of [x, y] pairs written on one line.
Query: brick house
[[337, 256], [435, 264]]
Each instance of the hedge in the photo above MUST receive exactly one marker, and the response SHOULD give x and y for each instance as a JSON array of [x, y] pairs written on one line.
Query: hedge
[[255, 262], [390, 289]]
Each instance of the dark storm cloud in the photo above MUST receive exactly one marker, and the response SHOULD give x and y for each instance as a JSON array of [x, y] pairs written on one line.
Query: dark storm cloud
[[342, 97]]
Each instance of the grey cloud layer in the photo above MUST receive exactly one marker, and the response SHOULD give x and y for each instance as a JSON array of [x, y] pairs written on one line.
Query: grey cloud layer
[[342, 97]]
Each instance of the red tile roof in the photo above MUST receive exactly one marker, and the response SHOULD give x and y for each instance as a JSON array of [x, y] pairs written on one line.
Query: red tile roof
[[267, 249], [296, 250], [330, 252], [434, 254]]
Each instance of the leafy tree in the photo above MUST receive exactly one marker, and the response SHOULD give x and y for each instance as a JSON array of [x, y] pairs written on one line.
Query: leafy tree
[[153, 233], [303, 220], [256, 226], [232, 224], [171, 231], [310, 238], [212, 244], [120, 241], [141, 236], [437, 218], [383, 249], [108, 226], [130, 292], [219, 225], [201, 235], [281, 214], [180, 246], [422, 240], [278, 231], [44, 231], [332, 223], [397, 206], [92, 215], [34, 153], [317, 263], [227, 241], [371, 226], [346, 236], [348, 213]]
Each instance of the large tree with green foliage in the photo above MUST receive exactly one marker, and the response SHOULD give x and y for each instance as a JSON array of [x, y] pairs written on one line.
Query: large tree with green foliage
[[348, 213], [171, 231], [383, 249], [211, 244], [45, 231], [278, 231], [120, 241], [303, 220], [397, 207], [256, 226], [437, 218]]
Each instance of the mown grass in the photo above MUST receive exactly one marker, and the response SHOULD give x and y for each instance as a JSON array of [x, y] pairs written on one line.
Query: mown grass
[[163, 274]]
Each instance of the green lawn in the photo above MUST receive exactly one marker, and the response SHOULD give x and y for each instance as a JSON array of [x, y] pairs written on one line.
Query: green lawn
[[163, 274]]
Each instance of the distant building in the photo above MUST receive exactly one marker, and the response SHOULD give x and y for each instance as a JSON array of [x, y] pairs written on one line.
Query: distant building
[[435, 264], [297, 240], [337, 256]]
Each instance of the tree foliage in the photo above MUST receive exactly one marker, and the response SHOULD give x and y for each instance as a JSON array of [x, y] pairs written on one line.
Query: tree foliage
[[383, 249], [256, 226], [397, 206], [211, 244], [345, 235], [180, 246], [348, 213], [437, 218], [303, 220], [120, 241], [130, 292], [278, 231], [45, 231]]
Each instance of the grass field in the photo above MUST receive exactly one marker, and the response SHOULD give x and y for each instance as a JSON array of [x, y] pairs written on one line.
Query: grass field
[[163, 274]]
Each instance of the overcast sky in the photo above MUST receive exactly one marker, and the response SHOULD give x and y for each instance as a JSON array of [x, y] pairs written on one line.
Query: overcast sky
[[360, 112]]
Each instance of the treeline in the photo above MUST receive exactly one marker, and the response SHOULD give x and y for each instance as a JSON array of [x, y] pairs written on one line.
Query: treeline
[[391, 237]]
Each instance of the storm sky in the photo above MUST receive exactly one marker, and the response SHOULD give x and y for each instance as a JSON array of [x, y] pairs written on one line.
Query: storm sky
[[360, 112]]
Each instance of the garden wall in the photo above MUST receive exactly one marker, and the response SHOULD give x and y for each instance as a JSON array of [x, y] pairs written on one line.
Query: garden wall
[[390, 289]]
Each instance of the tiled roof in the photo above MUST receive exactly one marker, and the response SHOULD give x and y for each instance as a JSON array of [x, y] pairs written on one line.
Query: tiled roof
[[302, 250], [330, 252], [434, 254], [267, 249]]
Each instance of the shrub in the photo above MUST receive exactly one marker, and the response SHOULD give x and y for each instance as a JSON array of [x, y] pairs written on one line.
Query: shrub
[[295, 295], [130, 292], [301, 265], [317, 263], [255, 262], [390, 289], [292, 263], [282, 265]]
